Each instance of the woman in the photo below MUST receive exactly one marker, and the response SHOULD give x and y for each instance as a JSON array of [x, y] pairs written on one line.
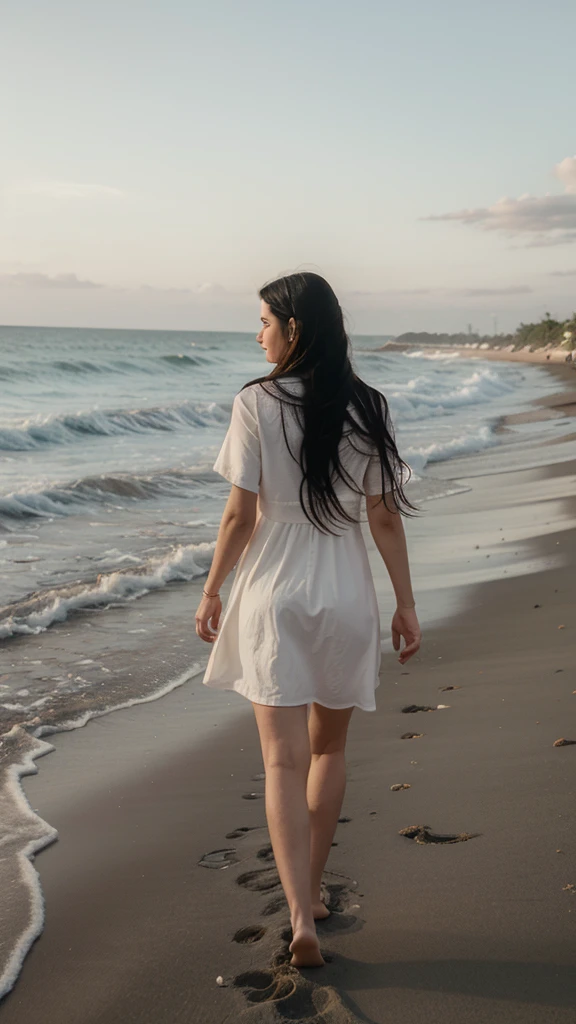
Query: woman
[[305, 445]]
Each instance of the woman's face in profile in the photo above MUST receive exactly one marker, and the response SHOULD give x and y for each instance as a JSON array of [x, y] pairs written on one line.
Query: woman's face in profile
[[271, 336]]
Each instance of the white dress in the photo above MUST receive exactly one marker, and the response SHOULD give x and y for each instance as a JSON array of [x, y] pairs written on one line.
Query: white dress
[[301, 622]]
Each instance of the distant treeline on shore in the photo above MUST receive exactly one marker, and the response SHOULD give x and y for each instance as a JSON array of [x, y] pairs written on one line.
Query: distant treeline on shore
[[548, 332]]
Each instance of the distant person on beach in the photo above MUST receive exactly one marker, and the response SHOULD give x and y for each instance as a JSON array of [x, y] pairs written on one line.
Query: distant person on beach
[[300, 637]]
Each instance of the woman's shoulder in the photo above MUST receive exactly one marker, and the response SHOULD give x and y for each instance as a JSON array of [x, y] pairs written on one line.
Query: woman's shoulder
[[248, 400], [244, 405], [263, 390], [247, 392]]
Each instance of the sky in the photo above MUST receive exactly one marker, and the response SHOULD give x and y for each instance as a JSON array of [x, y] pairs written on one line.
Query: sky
[[161, 162]]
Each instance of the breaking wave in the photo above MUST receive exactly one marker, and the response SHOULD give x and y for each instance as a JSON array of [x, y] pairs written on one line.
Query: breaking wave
[[37, 613], [68, 428], [92, 492]]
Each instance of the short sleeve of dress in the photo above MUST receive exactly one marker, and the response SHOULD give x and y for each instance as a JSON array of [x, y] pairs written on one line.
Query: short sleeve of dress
[[373, 478], [373, 475], [239, 459]]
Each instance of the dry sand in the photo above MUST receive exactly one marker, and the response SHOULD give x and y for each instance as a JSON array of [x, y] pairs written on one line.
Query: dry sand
[[137, 930]]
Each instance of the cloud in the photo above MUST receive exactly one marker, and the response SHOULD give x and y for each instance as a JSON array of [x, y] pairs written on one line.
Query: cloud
[[64, 189], [539, 215], [208, 290], [566, 172], [551, 219], [562, 273], [34, 280]]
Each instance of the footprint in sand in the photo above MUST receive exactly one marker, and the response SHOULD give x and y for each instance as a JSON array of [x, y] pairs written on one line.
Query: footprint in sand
[[411, 709], [285, 994], [252, 796], [252, 933], [336, 895], [411, 735], [219, 858], [239, 833], [421, 834], [260, 880], [274, 906], [266, 986], [333, 895], [283, 989]]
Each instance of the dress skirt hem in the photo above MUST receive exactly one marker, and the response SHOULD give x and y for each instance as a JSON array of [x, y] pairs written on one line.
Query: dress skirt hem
[[291, 704]]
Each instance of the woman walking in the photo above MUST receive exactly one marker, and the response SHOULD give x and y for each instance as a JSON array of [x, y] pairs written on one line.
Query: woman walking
[[300, 637]]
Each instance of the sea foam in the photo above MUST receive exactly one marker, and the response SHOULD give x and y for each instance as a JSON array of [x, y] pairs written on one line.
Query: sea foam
[[38, 612], [24, 832]]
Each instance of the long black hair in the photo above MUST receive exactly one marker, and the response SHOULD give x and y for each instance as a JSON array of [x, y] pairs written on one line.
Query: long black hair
[[320, 355]]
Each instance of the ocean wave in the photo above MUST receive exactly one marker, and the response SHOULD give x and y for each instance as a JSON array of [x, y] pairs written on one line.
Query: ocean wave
[[38, 612], [92, 491], [82, 366], [418, 456], [11, 373], [426, 396], [59, 368], [68, 428], [432, 354], [180, 359]]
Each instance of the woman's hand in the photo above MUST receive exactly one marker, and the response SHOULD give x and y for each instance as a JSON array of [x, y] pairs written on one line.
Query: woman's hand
[[405, 623], [208, 614]]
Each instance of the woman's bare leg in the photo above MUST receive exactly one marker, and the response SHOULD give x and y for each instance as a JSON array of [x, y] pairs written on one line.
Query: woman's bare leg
[[286, 754], [327, 728]]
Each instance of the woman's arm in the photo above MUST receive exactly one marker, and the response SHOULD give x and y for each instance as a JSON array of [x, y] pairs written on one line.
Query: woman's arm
[[387, 529], [236, 528]]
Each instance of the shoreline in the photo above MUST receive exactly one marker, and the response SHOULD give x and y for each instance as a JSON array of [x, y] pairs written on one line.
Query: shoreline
[[129, 840], [544, 356]]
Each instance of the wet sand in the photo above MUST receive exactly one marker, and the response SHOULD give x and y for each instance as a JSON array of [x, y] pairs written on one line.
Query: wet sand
[[479, 929]]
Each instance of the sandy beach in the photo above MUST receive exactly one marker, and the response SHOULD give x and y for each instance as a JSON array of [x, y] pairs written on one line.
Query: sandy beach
[[556, 356], [162, 878]]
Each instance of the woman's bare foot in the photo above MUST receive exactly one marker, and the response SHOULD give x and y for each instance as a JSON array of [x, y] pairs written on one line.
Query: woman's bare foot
[[320, 911], [305, 949]]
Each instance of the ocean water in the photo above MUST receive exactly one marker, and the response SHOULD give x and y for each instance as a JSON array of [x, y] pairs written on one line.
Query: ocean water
[[107, 440], [109, 511]]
